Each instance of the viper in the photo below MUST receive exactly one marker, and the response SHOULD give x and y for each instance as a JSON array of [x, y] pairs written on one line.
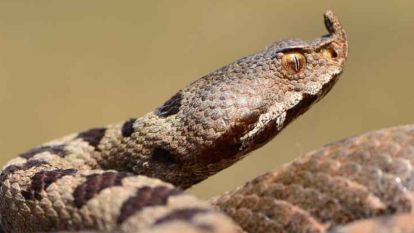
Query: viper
[[128, 177]]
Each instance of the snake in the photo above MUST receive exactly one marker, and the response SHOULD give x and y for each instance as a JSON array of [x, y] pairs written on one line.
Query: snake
[[131, 177]]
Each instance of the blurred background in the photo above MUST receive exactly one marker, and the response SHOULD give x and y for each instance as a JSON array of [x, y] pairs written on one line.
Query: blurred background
[[66, 66]]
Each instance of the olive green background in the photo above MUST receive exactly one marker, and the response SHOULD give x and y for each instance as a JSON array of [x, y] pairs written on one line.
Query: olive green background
[[67, 66]]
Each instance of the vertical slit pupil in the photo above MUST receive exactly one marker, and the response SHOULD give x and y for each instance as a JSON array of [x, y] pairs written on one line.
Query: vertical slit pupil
[[293, 62], [296, 61]]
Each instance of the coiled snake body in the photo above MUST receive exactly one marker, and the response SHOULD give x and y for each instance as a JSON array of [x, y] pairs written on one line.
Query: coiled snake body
[[128, 177], [357, 178]]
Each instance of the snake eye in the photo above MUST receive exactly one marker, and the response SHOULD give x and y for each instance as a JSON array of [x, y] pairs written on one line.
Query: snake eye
[[293, 62]]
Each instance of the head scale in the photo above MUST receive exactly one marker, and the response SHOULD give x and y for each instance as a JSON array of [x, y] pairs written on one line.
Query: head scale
[[241, 106]]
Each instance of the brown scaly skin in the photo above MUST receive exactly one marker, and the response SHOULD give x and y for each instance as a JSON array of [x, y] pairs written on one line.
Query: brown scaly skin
[[354, 179], [401, 223], [98, 179]]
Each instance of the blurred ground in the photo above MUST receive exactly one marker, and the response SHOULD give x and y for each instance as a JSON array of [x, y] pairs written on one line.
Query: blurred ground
[[66, 66]]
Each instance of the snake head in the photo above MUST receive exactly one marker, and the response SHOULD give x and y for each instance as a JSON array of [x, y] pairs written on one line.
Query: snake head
[[222, 116], [301, 73]]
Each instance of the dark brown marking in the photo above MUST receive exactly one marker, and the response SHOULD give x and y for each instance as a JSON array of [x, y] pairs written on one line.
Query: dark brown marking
[[42, 180], [128, 127], [171, 107], [225, 147], [182, 215], [95, 184], [26, 166], [228, 145], [56, 150], [160, 155], [308, 100], [93, 136], [145, 197], [300, 108]]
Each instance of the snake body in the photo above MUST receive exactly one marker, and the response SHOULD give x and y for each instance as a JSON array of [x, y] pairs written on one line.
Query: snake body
[[128, 177], [343, 187]]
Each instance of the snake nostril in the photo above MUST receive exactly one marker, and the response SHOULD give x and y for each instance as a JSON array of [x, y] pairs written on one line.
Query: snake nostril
[[334, 53], [329, 53]]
